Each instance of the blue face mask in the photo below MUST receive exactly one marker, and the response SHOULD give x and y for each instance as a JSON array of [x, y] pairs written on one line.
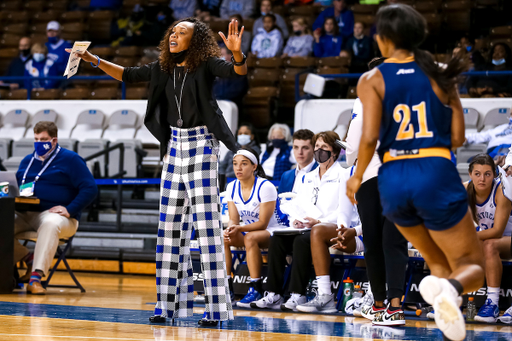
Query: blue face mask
[[38, 57], [53, 40], [42, 148], [499, 61], [160, 17], [279, 143], [244, 139], [468, 48]]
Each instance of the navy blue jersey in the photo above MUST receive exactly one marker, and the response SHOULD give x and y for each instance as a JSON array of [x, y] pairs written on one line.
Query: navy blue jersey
[[413, 117]]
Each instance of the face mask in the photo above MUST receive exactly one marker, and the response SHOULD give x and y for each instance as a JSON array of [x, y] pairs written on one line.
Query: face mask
[[160, 17], [263, 14], [279, 143], [297, 33], [244, 139], [25, 52], [53, 40], [468, 48], [179, 57], [43, 148], [38, 57], [322, 155], [499, 61]]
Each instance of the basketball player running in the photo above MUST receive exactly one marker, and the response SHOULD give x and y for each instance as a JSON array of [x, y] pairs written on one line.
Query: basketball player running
[[411, 106]]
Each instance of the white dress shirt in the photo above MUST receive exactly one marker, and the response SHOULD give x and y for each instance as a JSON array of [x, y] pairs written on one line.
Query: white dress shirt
[[299, 173]]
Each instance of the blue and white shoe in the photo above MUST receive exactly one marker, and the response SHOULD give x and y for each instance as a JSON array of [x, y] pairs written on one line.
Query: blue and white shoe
[[252, 296], [488, 313], [507, 317]]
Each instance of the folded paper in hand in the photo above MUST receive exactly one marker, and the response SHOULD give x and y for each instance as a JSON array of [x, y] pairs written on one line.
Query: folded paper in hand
[[72, 67], [299, 208]]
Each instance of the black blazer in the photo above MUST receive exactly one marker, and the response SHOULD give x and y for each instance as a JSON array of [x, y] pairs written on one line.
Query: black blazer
[[202, 78]]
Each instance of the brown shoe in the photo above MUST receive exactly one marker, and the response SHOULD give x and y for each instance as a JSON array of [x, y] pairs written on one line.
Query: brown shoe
[[36, 289], [26, 277]]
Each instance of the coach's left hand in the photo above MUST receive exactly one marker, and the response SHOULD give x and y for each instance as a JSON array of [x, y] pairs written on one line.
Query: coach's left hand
[[60, 210]]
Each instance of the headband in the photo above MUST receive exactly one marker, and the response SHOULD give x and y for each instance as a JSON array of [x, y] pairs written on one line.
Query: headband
[[248, 155]]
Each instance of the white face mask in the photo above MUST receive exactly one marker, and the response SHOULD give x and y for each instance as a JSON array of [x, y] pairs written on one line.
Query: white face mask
[[499, 61], [244, 139], [38, 57]]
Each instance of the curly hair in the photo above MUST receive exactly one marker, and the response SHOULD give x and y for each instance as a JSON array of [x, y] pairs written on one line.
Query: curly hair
[[203, 45]]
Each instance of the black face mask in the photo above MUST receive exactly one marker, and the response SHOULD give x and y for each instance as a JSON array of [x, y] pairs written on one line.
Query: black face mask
[[179, 57], [297, 33], [322, 155], [25, 52]]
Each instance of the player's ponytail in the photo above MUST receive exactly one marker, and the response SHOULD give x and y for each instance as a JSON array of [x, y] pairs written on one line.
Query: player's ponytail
[[480, 159], [407, 29]]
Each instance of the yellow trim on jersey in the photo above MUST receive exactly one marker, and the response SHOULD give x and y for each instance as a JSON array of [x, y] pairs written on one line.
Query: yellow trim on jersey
[[424, 152], [397, 61]]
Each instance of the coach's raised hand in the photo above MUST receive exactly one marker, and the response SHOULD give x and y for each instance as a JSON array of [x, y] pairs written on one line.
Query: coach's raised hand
[[111, 69]]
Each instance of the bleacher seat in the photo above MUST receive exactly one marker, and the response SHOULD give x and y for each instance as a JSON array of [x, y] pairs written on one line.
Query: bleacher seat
[[495, 117], [72, 31], [471, 117], [10, 5], [259, 103], [57, 5], [14, 124], [93, 146], [122, 125], [137, 93], [464, 153], [22, 147], [17, 94], [501, 32], [74, 16], [45, 17], [89, 125], [99, 25], [34, 6], [45, 94], [270, 63], [300, 62], [264, 77], [463, 169], [104, 93], [342, 123], [77, 93], [131, 160], [19, 28]]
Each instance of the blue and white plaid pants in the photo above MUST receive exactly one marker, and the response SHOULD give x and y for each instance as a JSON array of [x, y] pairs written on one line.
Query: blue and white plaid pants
[[190, 195]]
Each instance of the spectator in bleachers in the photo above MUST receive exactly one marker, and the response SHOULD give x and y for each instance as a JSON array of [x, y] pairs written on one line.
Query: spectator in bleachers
[[494, 86], [127, 31], [245, 138], [253, 200], [266, 8], [278, 157], [57, 47], [268, 42], [494, 228], [183, 8], [301, 43], [247, 38], [230, 89], [303, 153], [65, 189], [210, 8], [498, 139], [468, 44], [111, 5], [152, 31], [40, 66], [323, 3], [17, 66], [359, 48], [328, 41], [244, 7], [343, 17], [323, 188]]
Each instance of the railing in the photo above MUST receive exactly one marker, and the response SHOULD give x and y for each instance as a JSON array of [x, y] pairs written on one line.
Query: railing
[[64, 79], [298, 97]]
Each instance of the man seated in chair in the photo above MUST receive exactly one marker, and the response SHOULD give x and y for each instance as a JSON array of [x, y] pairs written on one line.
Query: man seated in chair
[[65, 186]]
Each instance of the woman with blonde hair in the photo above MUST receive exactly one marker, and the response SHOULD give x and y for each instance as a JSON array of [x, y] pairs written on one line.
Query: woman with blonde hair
[[300, 43]]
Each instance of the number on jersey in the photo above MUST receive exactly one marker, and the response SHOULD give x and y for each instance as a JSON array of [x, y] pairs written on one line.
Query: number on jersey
[[402, 115]]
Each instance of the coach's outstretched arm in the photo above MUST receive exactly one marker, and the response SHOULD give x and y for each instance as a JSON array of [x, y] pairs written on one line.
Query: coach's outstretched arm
[[111, 69]]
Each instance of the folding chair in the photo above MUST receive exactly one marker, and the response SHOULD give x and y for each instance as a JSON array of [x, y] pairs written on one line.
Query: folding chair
[[61, 253]]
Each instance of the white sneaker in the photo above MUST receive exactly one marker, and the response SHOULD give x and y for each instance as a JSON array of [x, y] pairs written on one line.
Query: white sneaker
[[431, 315], [319, 304], [447, 315], [507, 316], [293, 302], [429, 288], [367, 301], [269, 301]]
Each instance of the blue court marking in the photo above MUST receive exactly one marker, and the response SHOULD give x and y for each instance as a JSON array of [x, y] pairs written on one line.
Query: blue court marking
[[244, 323]]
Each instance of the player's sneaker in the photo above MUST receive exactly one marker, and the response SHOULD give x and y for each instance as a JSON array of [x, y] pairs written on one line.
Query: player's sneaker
[[390, 318], [488, 313], [367, 301], [507, 317], [252, 296], [319, 304], [293, 302], [370, 311], [269, 301], [431, 315]]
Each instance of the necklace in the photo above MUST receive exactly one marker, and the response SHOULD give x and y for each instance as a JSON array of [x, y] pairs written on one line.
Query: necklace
[[179, 123]]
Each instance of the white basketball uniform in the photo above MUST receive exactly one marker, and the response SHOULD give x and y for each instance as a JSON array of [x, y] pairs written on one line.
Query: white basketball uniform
[[249, 211], [485, 212]]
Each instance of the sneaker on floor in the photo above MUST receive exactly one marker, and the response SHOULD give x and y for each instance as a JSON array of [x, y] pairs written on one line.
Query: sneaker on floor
[[431, 315], [369, 311], [367, 301], [293, 302], [390, 318], [448, 316], [269, 301], [506, 317], [251, 296], [319, 304], [488, 313]]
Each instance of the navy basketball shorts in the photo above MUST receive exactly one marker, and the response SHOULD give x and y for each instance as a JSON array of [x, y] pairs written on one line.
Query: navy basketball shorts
[[423, 190]]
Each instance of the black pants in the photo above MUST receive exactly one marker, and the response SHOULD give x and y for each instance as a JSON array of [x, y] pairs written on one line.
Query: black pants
[[385, 248], [281, 246]]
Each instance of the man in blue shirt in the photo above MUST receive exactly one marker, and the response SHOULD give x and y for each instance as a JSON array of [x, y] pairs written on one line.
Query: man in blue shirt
[[57, 46], [61, 180], [344, 17], [17, 66]]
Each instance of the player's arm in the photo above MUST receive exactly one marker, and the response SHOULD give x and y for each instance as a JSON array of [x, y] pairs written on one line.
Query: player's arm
[[458, 134], [501, 216], [371, 90], [234, 217]]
